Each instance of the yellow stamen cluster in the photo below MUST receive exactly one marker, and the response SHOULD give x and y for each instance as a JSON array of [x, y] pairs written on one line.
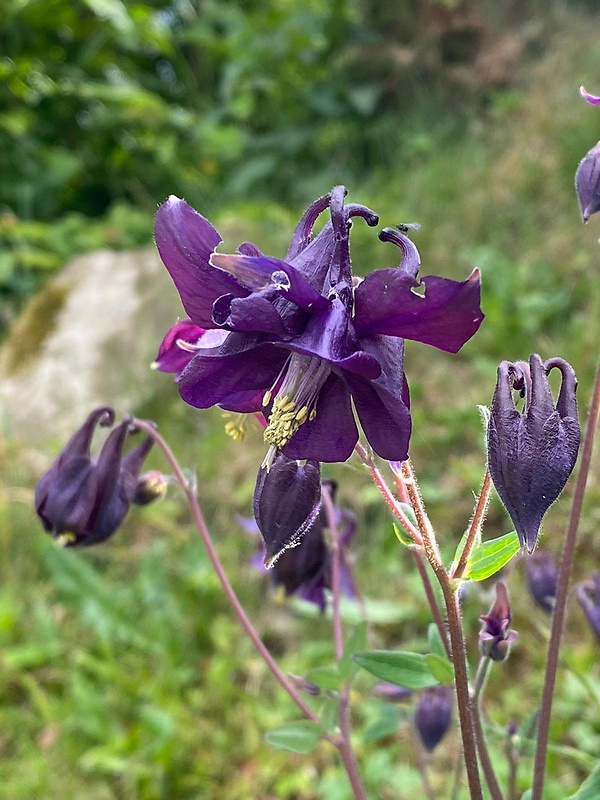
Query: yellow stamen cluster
[[236, 426], [285, 420]]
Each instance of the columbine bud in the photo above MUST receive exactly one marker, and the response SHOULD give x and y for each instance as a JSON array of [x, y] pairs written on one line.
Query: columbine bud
[[542, 578], [391, 692], [494, 638], [433, 715], [81, 500], [287, 499], [532, 453], [588, 594], [150, 486]]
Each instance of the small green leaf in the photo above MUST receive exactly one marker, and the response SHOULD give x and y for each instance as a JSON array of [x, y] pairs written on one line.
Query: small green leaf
[[325, 677], [590, 788], [386, 724], [434, 640], [330, 714], [402, 536], [440, 667], [403, 669], [356, 642], [526, 795], [489, 557], [298, 737]]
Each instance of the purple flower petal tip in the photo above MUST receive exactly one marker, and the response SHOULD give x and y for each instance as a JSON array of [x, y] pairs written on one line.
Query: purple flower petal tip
[[590, 98]]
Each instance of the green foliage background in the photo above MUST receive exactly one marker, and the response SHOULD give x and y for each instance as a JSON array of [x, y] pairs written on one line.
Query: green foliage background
[[123, 675]]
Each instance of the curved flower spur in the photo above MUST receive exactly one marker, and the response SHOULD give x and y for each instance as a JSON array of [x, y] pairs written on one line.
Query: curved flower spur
[[304, 336], [533, 452]]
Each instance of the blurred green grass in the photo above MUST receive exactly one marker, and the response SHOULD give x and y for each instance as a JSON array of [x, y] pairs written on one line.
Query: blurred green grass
[[123, 674]]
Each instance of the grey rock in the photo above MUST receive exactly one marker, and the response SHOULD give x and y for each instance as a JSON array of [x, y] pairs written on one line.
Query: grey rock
[[88, 338]]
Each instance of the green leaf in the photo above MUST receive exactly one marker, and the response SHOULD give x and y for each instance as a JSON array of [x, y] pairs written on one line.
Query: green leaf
[[298, 737], [385, 725], [330, 714], [440, 667], [402, 536], [356, 642], [526, 795], [325, 677], [489, 557], [434, 640], [410, 670], [590, 788]]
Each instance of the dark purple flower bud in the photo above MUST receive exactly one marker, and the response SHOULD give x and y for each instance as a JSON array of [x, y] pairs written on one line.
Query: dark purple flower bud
[[287, 499], [494, 638], [81, 500], [532, 453], [303, 685], [588, 594], [433, 715], [150, 486], [587, 183], [542, 578]]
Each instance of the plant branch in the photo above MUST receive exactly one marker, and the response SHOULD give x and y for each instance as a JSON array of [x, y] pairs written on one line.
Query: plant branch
[[218, 567], [562, 591], [482, 748], [475, 526]]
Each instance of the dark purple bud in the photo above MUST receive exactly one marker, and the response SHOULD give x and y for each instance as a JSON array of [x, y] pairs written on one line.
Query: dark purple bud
[[302, 565], [81, 500], [494, 638], [150, 486], [433, 715], [303, 685], [287, 499], [588, 594], [542, 578], [587, 183], [532, 452]]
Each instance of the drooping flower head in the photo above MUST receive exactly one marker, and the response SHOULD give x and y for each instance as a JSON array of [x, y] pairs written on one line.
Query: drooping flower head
[[588, 594], [82, 501], [304, 569], [433, 715], [494, 637], [532, 452], [542, 579], [304, 337]]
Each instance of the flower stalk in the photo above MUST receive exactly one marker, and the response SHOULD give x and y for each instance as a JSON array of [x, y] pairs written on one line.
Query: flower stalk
[[558, 616]]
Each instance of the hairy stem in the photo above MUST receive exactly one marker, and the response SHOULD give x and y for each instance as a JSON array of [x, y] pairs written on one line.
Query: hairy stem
[[475, 526], [562, 591], [218, 567]]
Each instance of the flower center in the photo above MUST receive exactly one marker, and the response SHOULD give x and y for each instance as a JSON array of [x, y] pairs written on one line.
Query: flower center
[[295, 402]]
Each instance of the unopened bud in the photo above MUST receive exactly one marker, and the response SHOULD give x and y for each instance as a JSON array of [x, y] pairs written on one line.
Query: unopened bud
[[150, 486], [433, 715]]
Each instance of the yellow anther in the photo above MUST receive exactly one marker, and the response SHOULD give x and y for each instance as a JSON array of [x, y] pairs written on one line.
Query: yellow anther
[[312, 414], [267, 398]]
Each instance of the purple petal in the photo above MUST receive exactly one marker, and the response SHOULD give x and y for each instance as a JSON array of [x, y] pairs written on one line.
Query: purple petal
[[262, 273], [255, 313], [185, 241], [332, 434], [171, 357], [446, 316], [329, 335], [209, 380], [249, 249], [591, 98], [71, 499], [587, 183]]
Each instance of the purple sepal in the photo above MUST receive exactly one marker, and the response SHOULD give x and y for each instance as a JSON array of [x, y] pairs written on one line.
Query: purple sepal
[[542, 579], [494, 638], [171, 356], [591, 98], [587, 183]]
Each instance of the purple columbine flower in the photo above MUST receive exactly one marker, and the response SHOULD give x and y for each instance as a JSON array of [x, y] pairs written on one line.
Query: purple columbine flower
[[588, 594], [433, 715], [82, 501], [587, 177], [532, 453], [542, 579], [305, 568], [305, 338], [494, 637]]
